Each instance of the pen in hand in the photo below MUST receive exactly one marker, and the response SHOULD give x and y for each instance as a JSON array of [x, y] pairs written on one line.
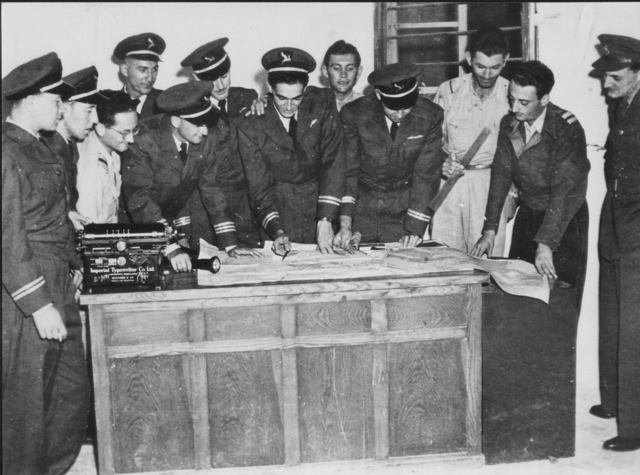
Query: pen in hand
[[286, 254]]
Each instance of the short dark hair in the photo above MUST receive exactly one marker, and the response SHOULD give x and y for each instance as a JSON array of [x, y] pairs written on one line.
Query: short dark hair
[[536, 74], [287, 77], [342, 47], [635, 67], [117, 102], [488, 40]]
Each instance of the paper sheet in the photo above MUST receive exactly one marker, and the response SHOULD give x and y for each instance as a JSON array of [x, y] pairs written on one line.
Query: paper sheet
[[513, 276]]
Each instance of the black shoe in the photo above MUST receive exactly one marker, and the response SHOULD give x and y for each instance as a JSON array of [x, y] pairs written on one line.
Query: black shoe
[[622, 444], [599, 411]]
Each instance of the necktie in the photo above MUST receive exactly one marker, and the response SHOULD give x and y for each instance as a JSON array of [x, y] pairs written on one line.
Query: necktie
[[394, 130], [183, 152], [293, 129], [222, 105]]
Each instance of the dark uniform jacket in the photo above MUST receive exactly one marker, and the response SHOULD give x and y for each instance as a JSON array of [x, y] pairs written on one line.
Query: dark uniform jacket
[[34, 218], [620, 219], [551, 173], [69, 153], [238, 103], [376, 162], [270, 158], [150, 106], [156, 184]]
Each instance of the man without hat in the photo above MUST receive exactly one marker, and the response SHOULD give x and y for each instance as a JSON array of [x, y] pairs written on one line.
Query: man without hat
[[98, 167], [394, 158], [292, 156], [45, 389], [619, 244], [174, 156], [342, 68], [542, 149], [210, 62], [471, 103], [139, 56]]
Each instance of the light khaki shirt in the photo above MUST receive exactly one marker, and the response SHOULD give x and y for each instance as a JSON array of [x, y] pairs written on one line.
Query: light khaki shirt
[[465, 115]]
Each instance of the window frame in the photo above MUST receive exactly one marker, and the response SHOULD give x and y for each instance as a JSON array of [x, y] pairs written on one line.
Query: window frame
[[385, 34]]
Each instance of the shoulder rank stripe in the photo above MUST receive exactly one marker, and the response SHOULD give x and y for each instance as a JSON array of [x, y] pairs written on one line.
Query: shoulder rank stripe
[[269, 217], [348, 199], [329, 200], [419, 216], [226, 227], [566, 115], [572, 119], [29, 288]]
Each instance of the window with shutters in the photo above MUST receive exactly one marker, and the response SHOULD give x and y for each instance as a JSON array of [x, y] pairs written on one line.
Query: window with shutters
[[435, 35]]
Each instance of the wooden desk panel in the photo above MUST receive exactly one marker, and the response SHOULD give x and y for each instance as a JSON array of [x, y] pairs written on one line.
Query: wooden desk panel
[[379, 372]]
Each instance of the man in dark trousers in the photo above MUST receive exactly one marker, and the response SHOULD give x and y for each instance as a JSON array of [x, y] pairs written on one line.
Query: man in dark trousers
[[619, 244], [394, 157], [210, 62], [139, 56], [173, 157], [45, 389], [542, 149], [292, 156]]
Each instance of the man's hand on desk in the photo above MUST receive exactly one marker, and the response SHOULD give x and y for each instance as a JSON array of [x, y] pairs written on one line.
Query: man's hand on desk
[[410, 240], [240, 251], [281, 245], [544, 261], [343, 237], [450, 165], [78, 220], [324, 235], [484, 244]]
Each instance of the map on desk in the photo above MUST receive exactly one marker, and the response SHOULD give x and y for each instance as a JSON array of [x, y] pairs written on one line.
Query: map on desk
[[513, 276]]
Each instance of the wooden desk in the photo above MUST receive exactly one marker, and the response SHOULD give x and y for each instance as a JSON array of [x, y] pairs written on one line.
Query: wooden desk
[[356, 373]]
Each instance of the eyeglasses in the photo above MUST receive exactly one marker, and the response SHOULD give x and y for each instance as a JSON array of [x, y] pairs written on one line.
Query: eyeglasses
[[125, 134]]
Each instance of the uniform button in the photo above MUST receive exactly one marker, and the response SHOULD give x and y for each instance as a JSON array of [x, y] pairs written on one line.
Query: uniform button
[[621, 132], [58, 172]]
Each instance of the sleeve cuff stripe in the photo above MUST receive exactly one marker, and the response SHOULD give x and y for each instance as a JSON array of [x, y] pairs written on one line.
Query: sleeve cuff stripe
[[184, 221], [29, 288], [349, 199], [164, 221], [328, 199], [419, 216], [225, 229], [334, 203], [268, 218]]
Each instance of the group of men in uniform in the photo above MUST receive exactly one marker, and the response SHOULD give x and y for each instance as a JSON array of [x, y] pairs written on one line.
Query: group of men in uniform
[[307, 164]]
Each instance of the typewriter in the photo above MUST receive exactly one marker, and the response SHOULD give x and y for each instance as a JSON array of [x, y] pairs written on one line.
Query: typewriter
[[123, 257]]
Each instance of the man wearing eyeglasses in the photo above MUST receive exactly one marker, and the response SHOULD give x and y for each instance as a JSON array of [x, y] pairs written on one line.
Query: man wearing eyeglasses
[[175, 156], [98, 169]]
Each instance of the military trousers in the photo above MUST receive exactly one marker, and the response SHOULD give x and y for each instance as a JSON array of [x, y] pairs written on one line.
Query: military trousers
[[45, 388], [619, 340]]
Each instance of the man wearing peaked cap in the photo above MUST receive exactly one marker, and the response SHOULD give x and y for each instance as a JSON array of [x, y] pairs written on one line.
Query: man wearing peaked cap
[[393, 156], [173, 157], [139, 56], [45, 389], [292, 156], [79, 117], [210, 62], [619, 244]]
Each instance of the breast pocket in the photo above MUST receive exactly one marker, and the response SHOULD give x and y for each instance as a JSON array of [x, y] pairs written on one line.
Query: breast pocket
[[47, 185], [459, 131]]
